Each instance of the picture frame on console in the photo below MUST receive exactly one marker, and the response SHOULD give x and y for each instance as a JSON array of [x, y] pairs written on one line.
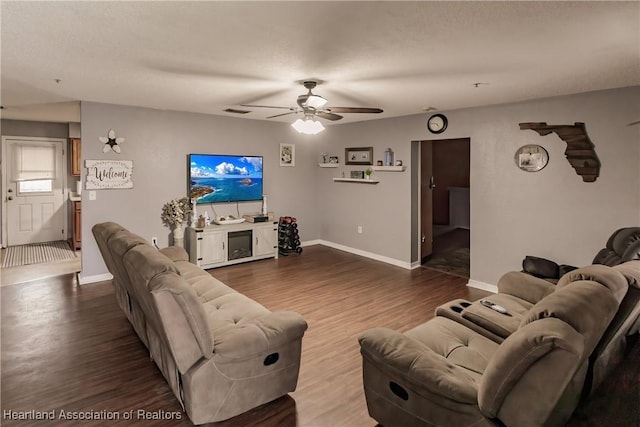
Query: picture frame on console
[[287, 154], [358, 156]]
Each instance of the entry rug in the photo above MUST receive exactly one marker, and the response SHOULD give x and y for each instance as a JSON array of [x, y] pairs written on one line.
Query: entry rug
[[37, 253]]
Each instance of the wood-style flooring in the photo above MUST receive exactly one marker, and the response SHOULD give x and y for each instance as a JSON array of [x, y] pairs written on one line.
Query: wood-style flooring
[[69, 347]]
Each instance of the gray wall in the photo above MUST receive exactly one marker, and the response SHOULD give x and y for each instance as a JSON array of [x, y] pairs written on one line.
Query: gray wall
[[158, 143], [551, 213]]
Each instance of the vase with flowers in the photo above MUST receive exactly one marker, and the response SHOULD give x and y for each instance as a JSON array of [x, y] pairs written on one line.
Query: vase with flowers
[[174, 214]]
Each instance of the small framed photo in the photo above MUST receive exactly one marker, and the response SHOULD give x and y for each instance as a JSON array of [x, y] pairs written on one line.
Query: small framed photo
[[358, 156], [287, 155]]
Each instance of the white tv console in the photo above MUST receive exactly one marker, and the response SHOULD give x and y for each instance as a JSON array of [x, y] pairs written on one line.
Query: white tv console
[[220, 245]]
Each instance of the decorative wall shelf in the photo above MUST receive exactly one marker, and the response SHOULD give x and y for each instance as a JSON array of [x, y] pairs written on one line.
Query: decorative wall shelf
[[328, 165], [358, 180], [389, 168]]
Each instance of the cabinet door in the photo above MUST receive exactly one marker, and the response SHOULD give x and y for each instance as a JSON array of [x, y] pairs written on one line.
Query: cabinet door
[[74, 158], [77, 225], [265, 240], [212, 248]]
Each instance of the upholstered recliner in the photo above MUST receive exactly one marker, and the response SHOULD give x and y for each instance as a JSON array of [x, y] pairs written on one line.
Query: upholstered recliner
[[442, 373], [519, 291], [622, 246]]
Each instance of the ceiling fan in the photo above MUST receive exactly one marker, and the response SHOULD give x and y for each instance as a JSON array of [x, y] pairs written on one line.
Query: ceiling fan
[[314, 105]]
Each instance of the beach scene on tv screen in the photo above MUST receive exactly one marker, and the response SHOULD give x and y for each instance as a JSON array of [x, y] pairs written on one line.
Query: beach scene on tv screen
[[218, 178]]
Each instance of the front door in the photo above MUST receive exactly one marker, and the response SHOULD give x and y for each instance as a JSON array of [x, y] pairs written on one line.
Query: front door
[[35, 209]]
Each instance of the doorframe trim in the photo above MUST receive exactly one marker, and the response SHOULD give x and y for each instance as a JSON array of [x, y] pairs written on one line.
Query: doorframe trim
[[4, 165]]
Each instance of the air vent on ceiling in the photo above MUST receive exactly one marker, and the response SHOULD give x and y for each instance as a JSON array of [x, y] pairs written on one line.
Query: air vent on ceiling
[[235, 111]]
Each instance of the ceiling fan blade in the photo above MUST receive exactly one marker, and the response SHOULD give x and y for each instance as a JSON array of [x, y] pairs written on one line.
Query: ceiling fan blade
[[353, 110], [327, 115], [265, 106], [634, 123], [283, 114]]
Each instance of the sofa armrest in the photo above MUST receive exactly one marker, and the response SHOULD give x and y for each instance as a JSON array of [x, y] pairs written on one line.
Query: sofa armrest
[[175, 253], [524, 286], [417, 364], [258, 336]]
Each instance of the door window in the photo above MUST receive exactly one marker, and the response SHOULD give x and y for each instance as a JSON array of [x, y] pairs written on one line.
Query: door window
[[42, 186]]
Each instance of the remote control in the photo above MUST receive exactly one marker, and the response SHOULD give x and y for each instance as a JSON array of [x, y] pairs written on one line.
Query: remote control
[[492, 306]]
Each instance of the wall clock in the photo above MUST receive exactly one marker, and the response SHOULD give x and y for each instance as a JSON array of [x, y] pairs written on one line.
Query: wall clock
[[531, 158], [437, 123]]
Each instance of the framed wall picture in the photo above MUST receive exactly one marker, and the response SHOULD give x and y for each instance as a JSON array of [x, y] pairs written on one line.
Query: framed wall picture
[[358, 156], [287, 155]]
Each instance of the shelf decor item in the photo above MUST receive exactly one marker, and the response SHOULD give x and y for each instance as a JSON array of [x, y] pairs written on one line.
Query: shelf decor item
[[368, 173], [358, 156], [174, 214], [388, 157]]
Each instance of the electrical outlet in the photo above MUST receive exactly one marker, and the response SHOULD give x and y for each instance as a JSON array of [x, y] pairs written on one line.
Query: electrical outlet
[[359, 229], [154, 240]]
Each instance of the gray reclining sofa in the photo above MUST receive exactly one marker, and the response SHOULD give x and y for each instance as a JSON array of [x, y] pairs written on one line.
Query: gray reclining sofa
[[221, 353]]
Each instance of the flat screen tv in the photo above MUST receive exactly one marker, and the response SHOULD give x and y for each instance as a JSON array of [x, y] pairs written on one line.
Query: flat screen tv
[[221, 178]]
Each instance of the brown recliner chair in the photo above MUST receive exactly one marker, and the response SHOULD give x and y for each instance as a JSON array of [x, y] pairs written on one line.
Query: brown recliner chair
[[442, 373], [622, 246], [519, 291]]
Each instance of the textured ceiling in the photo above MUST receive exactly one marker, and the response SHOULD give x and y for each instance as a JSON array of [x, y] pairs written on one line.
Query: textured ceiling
[[399, 56]]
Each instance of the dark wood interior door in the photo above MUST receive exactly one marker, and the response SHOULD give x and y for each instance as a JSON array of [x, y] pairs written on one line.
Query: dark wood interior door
[[426, 199]]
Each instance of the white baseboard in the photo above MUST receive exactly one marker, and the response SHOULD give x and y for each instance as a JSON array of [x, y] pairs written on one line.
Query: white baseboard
[[416, 264], [85, 280], [311, 242], [360, 252], [482, 285]]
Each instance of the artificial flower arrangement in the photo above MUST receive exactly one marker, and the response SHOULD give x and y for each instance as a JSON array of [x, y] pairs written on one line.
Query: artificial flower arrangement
[[176, 212]]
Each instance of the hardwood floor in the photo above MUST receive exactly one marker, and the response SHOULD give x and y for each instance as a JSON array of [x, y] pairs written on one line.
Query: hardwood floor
[[69, 347]]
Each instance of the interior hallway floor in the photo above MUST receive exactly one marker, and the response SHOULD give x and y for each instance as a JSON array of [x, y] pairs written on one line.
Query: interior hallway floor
[[450, 251]]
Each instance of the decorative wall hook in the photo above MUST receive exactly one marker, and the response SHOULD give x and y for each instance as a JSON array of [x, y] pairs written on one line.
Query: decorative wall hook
[[111, 142]]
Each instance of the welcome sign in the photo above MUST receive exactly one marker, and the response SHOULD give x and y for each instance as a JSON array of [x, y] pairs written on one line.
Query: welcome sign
[[108, 174]]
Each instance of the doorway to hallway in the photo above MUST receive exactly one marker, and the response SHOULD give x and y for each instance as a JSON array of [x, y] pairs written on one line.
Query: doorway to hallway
[[445, 205]]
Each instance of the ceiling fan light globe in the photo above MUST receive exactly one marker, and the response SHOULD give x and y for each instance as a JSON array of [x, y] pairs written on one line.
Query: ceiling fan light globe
[[307, 126], [315, 101]]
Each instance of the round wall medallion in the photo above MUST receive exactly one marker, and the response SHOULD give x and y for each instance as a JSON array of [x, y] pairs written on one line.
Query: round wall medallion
[[437, 123], [531, 158]]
